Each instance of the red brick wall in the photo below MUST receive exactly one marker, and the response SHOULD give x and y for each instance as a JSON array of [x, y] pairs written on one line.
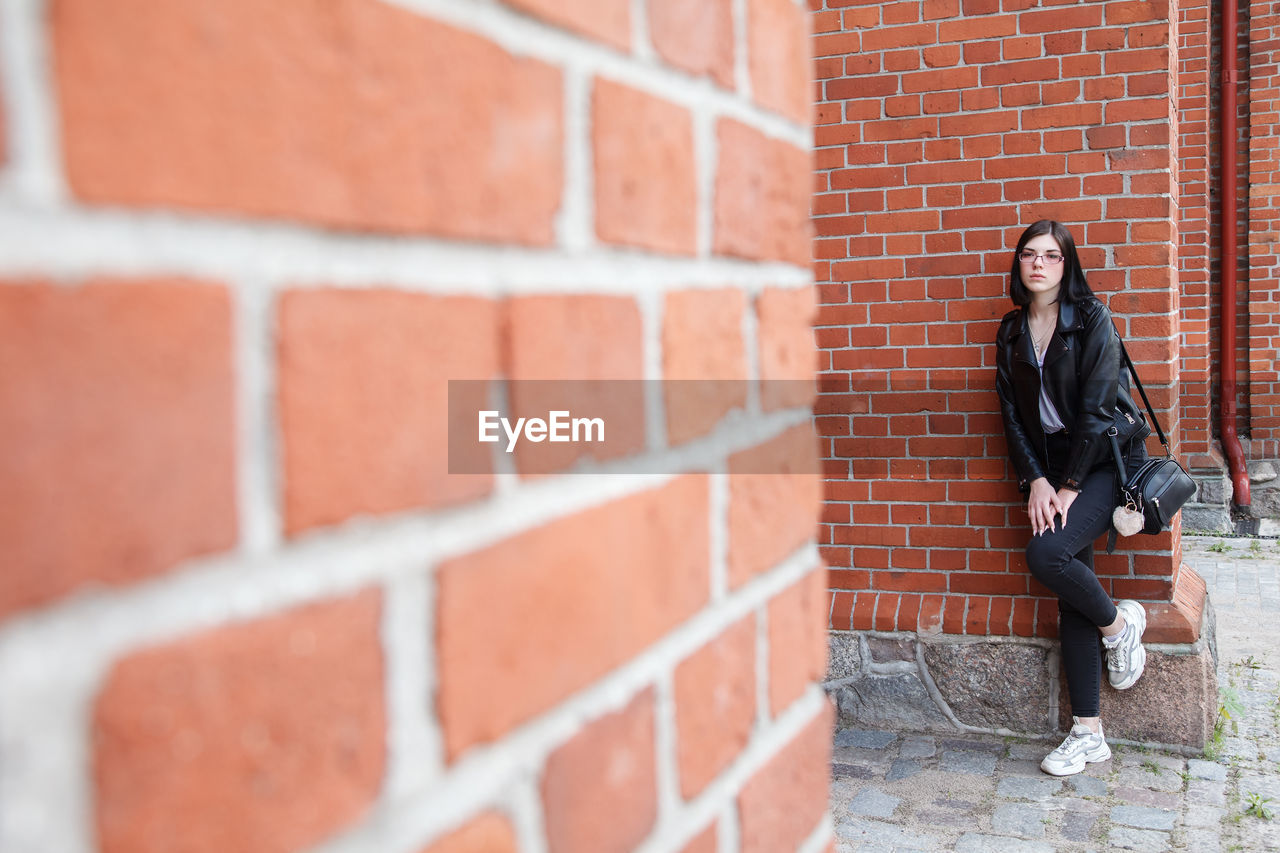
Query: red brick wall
[[1197, 232], [943, 129], [1200, 47], [245, 606], [1264, 230]]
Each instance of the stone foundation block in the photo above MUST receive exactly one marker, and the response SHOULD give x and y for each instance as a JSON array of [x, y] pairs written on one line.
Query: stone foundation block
[[1175, 701]]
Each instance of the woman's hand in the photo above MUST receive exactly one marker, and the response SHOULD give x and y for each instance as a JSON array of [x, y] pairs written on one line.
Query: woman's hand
[[1044, 504]]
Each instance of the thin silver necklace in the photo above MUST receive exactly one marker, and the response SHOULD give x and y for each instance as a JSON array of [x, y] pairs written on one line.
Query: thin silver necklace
[[1044, 340]]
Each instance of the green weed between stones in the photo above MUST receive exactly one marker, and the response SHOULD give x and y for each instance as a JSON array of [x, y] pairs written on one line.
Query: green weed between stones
[[1230, 709], [1258, 806]]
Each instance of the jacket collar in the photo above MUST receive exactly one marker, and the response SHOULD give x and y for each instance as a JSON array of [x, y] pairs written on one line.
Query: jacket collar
[[1069, 320]]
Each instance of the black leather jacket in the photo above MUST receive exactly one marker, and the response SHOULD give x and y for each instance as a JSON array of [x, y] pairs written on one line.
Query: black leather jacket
[[1086, 381]]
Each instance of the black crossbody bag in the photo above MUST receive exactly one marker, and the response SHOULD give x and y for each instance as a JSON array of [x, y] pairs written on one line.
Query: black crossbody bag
[[1159, 488]]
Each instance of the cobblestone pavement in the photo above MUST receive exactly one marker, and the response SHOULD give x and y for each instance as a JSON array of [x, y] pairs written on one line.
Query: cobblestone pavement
[[902, 792]]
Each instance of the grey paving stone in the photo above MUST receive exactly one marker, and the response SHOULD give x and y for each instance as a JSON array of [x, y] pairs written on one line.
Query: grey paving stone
[[1076, 826], [1143, 797], [1021, 819], [1263, 785], [1207, 793], [873, 802], [1142, 777], [966, 761], [955, 804], [872, 832], [864, 739], [1209, 770], [854, 771], [1087, 786], [991, 746], [1197, 815], [1202, 840], [1144, 817], [1028, 751], [1020, 767], [939, 817], [974, 842], [918, 747], [1144, 840], [1026, 788], [901, 769]]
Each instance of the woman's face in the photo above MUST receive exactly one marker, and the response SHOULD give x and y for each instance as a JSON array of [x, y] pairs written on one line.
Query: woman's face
[[1039, 276]]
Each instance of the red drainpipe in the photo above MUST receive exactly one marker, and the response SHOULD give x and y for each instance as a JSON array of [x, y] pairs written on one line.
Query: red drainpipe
[[1227, 336]]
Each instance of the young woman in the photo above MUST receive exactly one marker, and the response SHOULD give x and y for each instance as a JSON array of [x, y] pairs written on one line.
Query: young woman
[[1062, 386]]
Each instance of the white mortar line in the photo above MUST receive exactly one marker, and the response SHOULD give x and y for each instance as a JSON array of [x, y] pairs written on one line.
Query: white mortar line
[[728, 830], [718, 486], [764, 713], [256, 458], [653, 319], [34, 171], [527, 808], [751, 349], [72, 244], [414, 750], [45, 776], [741, 49], [575, 227], [641, 41], [666, 748], [705, 160]]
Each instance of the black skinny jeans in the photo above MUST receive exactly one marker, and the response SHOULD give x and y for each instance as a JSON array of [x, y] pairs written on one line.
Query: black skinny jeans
[[1062, 560]]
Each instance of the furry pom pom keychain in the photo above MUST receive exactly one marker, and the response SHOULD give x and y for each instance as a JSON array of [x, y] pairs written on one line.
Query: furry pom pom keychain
[[1126, 519]]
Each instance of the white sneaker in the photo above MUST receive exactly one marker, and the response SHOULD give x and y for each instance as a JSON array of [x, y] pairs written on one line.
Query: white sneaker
[[1081, 747], [1127, 658]]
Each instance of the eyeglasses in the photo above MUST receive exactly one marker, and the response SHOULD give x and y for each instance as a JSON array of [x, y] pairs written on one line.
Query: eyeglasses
[[1050, 258]]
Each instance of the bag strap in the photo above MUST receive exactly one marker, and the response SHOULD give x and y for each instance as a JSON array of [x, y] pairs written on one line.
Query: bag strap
[[1164, 440]]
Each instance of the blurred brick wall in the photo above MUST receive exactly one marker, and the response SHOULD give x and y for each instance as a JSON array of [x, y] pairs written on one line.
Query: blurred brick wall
[[943, 129], [244, 605]]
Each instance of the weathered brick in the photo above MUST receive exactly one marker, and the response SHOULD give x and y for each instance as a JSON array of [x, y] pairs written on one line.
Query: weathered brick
[[779, 56], [774, 496], [599, 790], [350, 114], [798, 639], [363, 397], [715, 705], [762, 197], [704, 360], [259, 736], [785, 346], [117, 419], [609, 581], [559, 338], [608, 21], [697, 37], [782, 804]]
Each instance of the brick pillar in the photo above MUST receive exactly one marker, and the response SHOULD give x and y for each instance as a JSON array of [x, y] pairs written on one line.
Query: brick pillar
[[943, 129], [247, 605]]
